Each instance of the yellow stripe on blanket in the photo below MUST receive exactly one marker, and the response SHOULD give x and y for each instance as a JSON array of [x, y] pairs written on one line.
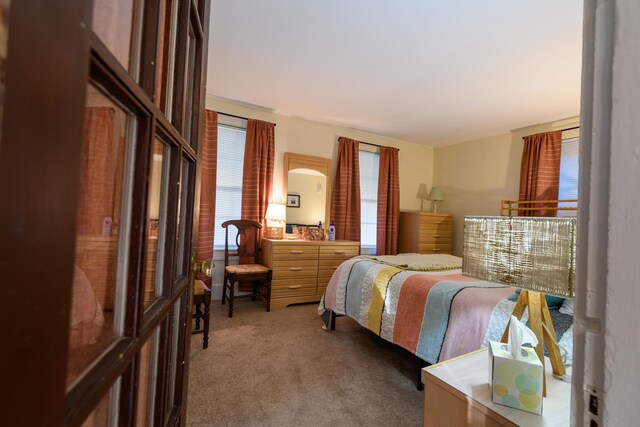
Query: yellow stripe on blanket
[[378, 294]]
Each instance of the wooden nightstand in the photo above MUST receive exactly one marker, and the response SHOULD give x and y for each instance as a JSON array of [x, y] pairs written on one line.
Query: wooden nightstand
[[457, 393]]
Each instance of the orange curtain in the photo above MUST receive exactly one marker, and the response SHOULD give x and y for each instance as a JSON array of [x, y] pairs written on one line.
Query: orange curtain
[[345, 201], [204, 249], [388, 202], [540, 170], [257, 175], [257, 181], [97, 183]]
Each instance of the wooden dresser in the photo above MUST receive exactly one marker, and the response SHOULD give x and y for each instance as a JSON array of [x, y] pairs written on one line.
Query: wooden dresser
[[302, 268], [425, 232]]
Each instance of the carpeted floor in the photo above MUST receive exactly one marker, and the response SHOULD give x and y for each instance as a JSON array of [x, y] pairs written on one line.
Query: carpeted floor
[[282, 369]]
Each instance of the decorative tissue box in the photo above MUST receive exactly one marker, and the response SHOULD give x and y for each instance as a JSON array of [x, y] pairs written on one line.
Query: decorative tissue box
[[516, 383]]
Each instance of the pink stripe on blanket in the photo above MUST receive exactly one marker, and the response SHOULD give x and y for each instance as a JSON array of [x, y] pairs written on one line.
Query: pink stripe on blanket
[[470, 313], [332, 287], [411, 304]]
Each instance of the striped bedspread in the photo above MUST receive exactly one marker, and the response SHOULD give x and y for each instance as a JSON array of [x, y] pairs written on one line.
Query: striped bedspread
[[434, 315]]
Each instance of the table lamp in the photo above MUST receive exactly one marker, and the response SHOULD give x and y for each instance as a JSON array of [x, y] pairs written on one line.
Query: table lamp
[[423, 194], [435, 195], [276, 217], [535, 254]]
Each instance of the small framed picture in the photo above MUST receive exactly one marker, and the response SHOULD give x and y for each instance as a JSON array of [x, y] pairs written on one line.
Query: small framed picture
[[293, 201]]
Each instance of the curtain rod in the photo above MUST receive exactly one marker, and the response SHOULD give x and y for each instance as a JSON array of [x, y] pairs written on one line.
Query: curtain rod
[[376, 145], [238, 117], [563, 130]]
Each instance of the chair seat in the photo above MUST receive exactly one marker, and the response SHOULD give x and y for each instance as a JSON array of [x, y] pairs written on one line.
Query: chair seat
[[199, 288], [241, 269]]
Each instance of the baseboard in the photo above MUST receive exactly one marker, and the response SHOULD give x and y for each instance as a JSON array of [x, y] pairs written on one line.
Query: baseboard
[[216, 291]]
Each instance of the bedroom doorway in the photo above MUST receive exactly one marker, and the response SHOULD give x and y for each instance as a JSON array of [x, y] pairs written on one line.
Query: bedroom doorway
[[99, 159]]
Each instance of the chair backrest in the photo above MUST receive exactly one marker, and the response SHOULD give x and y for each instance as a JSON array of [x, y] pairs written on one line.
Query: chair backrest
[[247, 244]]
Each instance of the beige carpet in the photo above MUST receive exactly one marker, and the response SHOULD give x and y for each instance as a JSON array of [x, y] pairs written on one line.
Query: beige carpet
[[282, 369]]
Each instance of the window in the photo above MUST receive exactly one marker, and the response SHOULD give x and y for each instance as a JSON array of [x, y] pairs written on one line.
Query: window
[[231, 140], [369, 165], [568, 174]]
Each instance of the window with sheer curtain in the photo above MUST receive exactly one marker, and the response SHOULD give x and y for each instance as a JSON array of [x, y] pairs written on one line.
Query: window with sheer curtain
[[568, 174], [369, 165], [231, 141]]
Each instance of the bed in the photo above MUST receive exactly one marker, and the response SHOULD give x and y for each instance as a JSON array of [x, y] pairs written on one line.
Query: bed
[[425, 305]]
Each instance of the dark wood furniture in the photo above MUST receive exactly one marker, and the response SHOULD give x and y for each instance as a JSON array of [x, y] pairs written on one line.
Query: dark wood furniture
[[247, 245], [201, 307]]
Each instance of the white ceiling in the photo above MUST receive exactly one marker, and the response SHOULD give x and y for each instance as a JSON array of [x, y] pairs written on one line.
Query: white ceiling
[[426, 71]]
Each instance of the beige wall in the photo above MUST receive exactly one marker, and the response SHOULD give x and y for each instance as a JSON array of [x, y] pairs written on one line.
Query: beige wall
[[317, 139], [476, 175]]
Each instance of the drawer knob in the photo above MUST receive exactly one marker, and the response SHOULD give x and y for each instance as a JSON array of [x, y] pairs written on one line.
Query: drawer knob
[[436, 250], [295, 268], [435, 236], [295, 286], [296, 252]]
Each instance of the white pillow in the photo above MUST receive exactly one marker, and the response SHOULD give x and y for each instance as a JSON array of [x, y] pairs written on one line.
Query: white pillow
[[567, 307]]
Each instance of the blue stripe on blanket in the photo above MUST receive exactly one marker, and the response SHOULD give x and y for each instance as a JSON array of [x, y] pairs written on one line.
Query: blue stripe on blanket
[[354, 288], [436, 316]]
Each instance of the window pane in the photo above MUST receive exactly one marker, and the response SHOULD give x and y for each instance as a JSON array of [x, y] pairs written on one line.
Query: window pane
[[147, 380], [191, 86], [156, 214], [173, 351], [181, 262], [113, 24], [569, 174], [231, 141], [101, 232], [369, 165], [164, 54], [106, 412]]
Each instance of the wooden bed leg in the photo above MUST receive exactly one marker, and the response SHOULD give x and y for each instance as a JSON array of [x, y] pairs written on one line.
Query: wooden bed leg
[[333, 321]]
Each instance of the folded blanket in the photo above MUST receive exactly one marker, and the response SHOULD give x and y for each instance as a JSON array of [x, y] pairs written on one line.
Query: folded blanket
[[419, 262]]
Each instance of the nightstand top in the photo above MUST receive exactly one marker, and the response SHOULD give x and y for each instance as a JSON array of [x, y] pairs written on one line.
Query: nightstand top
[[468, 376]]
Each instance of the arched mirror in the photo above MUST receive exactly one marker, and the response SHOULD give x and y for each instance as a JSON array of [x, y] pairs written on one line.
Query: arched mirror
[[307, 185]]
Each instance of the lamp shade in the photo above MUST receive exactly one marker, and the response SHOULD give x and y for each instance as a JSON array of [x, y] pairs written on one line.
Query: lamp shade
[[276, 211], [435, 194], [536, 254], [423, 192]]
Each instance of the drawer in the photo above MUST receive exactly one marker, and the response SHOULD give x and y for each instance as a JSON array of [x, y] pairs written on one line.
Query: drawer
[[291, 252], [296, 268], [441, 228], [433, 219], [292, 287], [339, 252], [444, 248], [321, 289], [426, 239], [326, 267]]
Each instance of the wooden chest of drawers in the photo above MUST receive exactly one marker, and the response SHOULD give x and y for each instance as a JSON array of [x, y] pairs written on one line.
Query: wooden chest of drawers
[[302, 269], [425, 233]]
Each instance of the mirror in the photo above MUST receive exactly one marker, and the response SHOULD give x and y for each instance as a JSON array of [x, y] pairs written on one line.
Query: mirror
[[307, 184]]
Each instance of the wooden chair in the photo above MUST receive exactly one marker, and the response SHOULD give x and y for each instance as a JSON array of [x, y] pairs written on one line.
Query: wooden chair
[[201, 304], [254, 272]]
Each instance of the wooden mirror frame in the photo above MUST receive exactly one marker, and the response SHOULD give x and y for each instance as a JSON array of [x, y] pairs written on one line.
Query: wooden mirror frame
[[320, 164]]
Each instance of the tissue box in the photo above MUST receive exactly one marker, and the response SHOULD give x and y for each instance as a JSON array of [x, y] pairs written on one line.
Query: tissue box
[[516, 382]]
